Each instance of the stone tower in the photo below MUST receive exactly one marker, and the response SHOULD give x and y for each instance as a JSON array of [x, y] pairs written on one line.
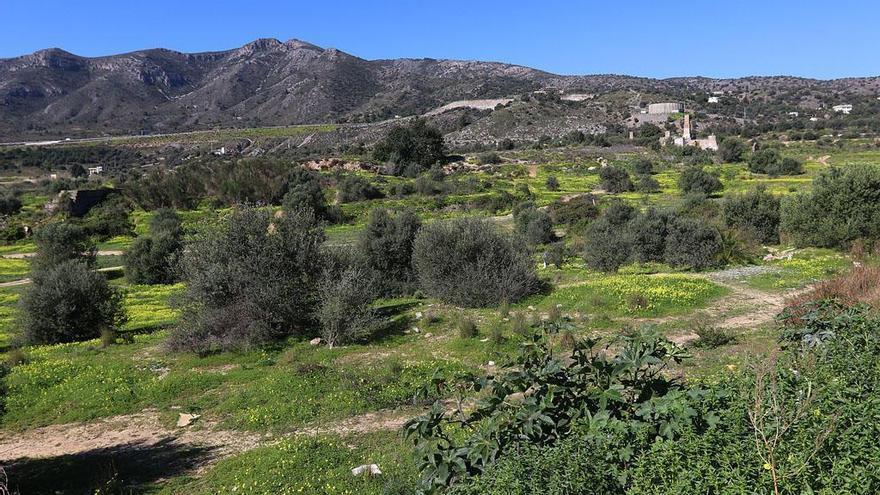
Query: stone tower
[[686, 128]]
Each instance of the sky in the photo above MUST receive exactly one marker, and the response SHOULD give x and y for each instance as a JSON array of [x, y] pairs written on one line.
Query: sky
[[652, 38]]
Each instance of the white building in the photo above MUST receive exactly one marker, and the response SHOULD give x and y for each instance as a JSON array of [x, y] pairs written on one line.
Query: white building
[[656, 108], [96, 170], [713, 99], [793, 114], [844, 109]]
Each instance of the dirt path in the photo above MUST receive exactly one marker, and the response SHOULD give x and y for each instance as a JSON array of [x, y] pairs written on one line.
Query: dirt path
[[25, 281], [143, 430], [20, 256]]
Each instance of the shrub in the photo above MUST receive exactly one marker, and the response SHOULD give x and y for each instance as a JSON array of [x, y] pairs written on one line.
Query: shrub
[[755, 212], [697, 180], [415, 144], [154, 259], [110, 218], [643, 166], [468, 262], [647, 234], [647, 184], [606, 241], [353, 188], [9, 204], [710, 337], [386, 244], [533, 225], [555, 254], [344, 310], [552, 183], [467, 329], [691, 243], [770, 161], [57, 242], [580, 209], [614, 180], [304, 191], [490, 158], [249, 281], [731, 150], [68, 303], [843, 205]]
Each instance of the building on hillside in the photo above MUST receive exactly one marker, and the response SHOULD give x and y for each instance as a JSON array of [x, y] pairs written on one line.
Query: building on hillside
[[714, 99], [793, 114], [658, 108], [96, 170], [707, 143], [844, 109]]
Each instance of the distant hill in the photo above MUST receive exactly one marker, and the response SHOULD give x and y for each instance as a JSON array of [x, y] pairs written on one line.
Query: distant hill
[[267, 82]]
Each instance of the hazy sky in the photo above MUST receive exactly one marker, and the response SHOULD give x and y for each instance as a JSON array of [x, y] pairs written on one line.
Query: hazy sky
[[639, 37]]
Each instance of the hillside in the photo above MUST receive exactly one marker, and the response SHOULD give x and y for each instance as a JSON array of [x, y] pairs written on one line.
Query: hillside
[[53, 93]]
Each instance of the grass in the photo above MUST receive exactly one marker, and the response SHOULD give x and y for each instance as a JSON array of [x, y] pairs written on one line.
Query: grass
[[13, 269], [635, 295], [805, 267], [310, 465]]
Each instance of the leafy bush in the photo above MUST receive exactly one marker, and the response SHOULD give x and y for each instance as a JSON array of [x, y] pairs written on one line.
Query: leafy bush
[[614, 180], [304, 191], [154, 259], [606, 241], [533, 225], [386, 243], [843, 205], [490, 158], [697, 180], [468, 262], [9, 204], [467, 328], [108, 219], [647, 233], [552, 183], [249, 281], [755, 212], [770, 161], [731, 150], [67, 303], [628, 391], [643, 166], [344, 310], [711, 337], [415, 144], [580, 209], [353, 188], [691, 243], [58, 242]]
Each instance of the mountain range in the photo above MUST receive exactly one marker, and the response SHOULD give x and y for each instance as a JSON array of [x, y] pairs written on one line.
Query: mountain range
[[268, 82]]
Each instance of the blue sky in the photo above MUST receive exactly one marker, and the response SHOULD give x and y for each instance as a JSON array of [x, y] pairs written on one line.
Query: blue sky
[[637, 37]]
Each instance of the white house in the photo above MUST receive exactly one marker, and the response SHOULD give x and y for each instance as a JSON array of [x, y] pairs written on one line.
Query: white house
[[844, 109], [713, 99], [96, 170], [793, 114]]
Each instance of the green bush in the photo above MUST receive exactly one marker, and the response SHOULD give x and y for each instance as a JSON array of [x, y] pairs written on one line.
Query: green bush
[[386, 243], [416, 144], [250, 280], [731, 150], [755, 212], [9, 204], [552, 183], [696, 180], [770, 161], [691, 243], [59, 241], [842, 205], [353, 188], [344, 311], [469, 262], [68, 303], [615, 180], [153, 259], [606, 240], [533, 225]]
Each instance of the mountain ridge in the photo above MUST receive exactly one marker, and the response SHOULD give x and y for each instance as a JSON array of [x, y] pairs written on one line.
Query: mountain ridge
[[273, 82]]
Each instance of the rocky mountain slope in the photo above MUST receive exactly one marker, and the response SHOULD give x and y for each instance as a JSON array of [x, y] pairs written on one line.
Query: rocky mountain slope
[[54, 93]]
